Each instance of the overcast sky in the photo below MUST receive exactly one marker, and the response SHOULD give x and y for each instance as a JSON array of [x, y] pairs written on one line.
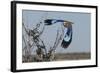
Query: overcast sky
[[81, 28]]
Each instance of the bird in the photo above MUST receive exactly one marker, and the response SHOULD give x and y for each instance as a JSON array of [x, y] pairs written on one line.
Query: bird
[[67, 30], [68, 34]]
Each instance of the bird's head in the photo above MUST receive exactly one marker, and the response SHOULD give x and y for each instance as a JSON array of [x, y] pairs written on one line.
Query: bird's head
[[67, 24]]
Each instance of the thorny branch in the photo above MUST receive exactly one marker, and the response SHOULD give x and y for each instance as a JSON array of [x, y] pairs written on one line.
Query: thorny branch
[[36, 39]]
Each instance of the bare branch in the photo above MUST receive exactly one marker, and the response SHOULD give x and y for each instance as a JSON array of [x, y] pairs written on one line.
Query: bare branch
[[43, 46], [24, 39], [42, 30], [58, 38], [27, 31]]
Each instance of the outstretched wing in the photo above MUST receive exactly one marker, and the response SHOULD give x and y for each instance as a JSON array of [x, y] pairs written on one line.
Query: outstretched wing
[[52, 21]]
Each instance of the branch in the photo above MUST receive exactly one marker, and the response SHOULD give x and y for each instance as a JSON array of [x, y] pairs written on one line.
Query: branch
[[42, 30], [57, 41], [25, 29], [44, 47]]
